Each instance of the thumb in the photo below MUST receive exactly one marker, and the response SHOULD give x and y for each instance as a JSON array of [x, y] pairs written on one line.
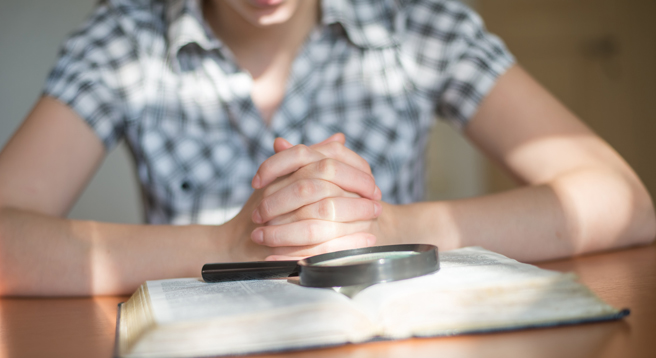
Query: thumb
[[337, 137], [281, 144]]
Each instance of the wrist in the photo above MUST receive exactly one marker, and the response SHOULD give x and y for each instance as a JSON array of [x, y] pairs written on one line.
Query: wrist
[[236, 239], [388, 232], [427, 222]]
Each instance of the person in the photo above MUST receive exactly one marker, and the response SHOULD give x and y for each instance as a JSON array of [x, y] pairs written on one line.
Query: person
[[278, 129]]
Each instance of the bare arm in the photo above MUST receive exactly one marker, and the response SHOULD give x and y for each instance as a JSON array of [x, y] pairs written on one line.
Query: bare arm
[[579, 194], [43, 169], [49, 161]]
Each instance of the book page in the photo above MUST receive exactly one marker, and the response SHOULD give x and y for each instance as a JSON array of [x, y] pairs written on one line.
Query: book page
[[462, 268], [195, 318], [189, 299], [475, 290]]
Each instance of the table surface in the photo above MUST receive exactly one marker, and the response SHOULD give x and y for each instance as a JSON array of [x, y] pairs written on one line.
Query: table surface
[[84, 327]]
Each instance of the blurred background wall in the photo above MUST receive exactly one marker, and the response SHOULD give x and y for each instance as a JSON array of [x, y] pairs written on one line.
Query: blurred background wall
[[31, 32], [598, 56]]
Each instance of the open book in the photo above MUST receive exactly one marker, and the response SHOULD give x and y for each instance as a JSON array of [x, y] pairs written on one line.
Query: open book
[[475, 291]]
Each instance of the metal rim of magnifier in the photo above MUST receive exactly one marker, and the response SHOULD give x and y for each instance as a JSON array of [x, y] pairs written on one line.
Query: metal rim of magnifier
[[424, 261]]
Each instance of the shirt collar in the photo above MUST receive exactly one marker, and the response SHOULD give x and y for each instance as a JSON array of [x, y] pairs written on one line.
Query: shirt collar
[[368, 23], [186, 25]]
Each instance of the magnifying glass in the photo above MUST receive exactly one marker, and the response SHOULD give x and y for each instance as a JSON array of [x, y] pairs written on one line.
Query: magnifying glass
[[355, 267]]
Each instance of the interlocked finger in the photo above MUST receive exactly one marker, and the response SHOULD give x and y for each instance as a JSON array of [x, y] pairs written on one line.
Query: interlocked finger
[[343, 175], [339, 151], [337, 209], [294, 196], [298, 156], [353, 241], [306, 232], [283, 163]]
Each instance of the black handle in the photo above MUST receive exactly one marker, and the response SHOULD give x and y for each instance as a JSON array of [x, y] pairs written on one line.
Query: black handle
[[257, 270]]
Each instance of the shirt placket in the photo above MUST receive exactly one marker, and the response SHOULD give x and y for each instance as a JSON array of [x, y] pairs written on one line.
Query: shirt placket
[[304, 80], [234, 86], [247, 119]]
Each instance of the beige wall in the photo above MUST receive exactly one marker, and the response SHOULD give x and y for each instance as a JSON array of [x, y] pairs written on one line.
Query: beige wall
[[598, 57]]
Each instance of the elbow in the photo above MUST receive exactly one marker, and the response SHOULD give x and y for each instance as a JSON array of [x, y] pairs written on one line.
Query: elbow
[[10, 275], [644, 225], [607, 210], [4, 252], [633, 215]]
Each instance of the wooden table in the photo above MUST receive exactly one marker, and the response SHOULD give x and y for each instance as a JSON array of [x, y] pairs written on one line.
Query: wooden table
[[84, 327]]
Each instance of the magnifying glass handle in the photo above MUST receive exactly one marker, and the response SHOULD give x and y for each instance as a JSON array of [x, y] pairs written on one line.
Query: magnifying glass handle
[[257, 270]]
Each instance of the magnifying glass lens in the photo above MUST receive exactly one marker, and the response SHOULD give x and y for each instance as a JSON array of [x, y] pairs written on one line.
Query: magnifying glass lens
[[366, 258]]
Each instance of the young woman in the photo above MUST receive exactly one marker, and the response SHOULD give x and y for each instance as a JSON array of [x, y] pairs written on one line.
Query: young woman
[[201, 90]]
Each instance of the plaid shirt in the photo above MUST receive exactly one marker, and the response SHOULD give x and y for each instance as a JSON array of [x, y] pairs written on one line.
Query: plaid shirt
[[379, 71]]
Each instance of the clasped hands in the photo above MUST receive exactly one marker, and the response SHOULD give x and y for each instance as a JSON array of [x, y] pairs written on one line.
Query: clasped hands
[[308, 200]]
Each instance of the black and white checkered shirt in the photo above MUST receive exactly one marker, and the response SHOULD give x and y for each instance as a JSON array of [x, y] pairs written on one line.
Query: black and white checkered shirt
[[379, 71]]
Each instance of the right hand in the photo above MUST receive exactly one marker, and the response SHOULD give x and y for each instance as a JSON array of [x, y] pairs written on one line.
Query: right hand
[[329, 201], [309, 200]]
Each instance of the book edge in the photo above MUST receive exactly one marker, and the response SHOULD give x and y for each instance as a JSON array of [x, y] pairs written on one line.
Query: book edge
[[619, 314], [117, 330], [603, 318]]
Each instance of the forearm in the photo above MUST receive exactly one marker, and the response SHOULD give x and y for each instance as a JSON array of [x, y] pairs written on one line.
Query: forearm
[[580, 212], [44, 255]]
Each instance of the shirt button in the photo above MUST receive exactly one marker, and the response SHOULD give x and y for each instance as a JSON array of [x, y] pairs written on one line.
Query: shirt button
[[185, 186]]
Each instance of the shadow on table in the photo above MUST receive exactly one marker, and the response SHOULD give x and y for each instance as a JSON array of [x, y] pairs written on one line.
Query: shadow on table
[[57, 327], [581, 341]]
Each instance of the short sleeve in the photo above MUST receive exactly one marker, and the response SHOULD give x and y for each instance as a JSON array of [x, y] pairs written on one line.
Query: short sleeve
[[459, 57], [87, 75]]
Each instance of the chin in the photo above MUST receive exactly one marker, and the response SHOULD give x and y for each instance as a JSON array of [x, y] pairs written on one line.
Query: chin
[[263, 13]]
